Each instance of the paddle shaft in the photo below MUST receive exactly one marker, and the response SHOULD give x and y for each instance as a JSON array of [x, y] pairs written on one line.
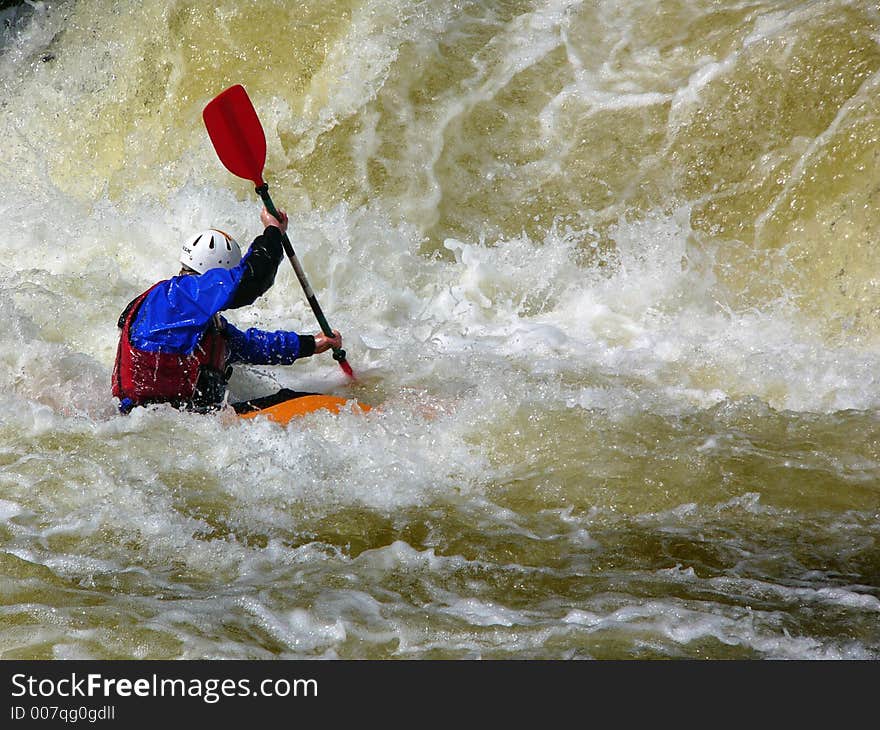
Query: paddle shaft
[[338, 352], [240, 142]]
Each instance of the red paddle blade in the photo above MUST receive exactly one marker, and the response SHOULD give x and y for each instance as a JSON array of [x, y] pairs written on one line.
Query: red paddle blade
[[236, 132], [346, 368]]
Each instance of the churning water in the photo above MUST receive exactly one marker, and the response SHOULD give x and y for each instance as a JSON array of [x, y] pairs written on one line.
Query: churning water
[[609, 268]]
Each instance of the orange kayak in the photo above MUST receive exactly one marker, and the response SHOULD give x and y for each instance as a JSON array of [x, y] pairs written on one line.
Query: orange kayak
[[302, 404]]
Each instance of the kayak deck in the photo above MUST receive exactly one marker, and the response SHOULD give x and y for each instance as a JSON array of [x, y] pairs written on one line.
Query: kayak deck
[[302, 404]]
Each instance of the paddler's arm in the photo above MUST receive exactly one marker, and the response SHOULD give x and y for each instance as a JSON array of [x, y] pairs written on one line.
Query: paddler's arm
[[260, 264], [259, 347]]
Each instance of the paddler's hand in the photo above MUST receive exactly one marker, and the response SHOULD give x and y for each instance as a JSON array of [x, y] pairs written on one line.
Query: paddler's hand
[[324, 343], [268, 219]]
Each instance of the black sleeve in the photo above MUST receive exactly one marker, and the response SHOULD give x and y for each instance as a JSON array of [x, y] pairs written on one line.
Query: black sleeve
[[260, 266], [306, 345]]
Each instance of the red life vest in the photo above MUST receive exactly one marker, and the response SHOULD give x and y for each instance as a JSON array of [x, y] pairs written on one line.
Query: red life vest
[[162, 377]]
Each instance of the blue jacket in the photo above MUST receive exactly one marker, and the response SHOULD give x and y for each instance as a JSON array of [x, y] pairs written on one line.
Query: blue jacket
[[177, 312]]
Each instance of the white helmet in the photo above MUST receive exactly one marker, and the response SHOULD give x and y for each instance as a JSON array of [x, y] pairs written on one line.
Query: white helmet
[[210, 249]]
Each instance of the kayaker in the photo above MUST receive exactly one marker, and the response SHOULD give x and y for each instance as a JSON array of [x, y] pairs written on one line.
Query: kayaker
[[174, 347]]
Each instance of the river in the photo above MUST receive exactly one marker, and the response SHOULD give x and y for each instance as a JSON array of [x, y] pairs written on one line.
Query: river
[[608, 270]]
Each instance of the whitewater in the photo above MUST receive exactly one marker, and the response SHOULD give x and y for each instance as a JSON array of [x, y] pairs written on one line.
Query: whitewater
[[609, 271]]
